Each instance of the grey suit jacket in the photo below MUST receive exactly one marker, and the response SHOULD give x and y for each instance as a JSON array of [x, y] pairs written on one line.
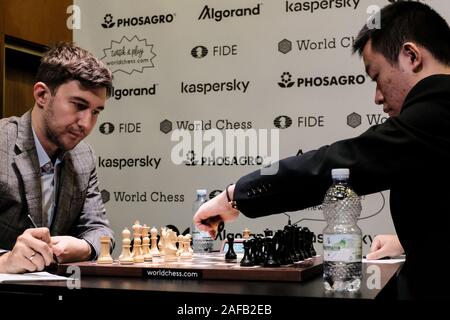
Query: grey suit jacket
[[79, 209]]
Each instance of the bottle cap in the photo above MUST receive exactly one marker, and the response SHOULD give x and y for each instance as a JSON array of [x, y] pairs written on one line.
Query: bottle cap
[[201, 192], [341, 173]]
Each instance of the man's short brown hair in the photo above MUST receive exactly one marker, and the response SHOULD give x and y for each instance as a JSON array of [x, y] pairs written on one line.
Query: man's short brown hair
[[66, 61]]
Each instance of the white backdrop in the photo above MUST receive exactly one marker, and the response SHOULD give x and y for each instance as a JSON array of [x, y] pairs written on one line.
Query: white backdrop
[[265, 60]]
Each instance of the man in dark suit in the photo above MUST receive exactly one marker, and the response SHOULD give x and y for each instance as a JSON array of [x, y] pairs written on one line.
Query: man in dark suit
[[47, 173], [409, 154]]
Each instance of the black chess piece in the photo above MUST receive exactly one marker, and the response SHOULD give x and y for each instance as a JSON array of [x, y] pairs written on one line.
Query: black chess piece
[[230, 255], [304, 243], [310, 243], [279, 237], [289, 236], [268, 232], [299, 243], [271, 258], [247, 258], [259, 253]]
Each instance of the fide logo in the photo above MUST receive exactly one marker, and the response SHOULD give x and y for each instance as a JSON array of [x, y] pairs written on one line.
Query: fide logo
[[282, 122], [106, 128], [199, 52]]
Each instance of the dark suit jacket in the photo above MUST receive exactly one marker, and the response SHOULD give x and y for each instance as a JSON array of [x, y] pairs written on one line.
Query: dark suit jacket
[[79, 209], [408, 154]]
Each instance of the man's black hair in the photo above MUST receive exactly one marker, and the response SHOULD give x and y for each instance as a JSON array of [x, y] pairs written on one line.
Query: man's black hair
[[407, 21]]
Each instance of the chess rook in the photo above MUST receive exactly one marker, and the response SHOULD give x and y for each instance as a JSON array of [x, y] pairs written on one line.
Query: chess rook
[[105, 246]]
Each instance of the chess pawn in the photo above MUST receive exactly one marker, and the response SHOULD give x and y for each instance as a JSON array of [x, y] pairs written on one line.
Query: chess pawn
[[146, 244], [188, 244], [187, 251], [162, 239], [105, 245], [247, 258], [180, 245], [230, 255], [246, 233], [125, 256], [154, 238]]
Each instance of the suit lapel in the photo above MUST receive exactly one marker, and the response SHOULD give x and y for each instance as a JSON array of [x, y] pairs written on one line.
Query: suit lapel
[[66, 190], [27, 164]]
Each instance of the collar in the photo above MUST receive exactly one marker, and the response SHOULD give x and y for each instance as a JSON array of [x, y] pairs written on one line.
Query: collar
[[42, 155], [435, 85]]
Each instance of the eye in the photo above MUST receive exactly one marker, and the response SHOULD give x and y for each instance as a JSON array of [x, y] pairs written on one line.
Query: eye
[[80, 106], [95, 112]]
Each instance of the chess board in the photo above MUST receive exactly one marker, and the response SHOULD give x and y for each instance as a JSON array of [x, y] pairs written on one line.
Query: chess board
[[202, 267]]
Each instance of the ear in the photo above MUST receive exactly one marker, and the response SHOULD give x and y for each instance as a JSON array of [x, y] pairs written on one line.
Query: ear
[[413, 56], [41, 93]]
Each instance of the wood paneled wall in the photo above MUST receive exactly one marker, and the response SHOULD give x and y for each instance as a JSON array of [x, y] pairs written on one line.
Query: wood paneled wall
[[33, 25]]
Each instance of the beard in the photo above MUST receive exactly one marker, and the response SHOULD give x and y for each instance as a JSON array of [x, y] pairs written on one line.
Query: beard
[[51, 134]]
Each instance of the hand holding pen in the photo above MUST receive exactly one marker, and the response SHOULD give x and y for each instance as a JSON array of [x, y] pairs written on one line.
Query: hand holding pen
[[31, 252]]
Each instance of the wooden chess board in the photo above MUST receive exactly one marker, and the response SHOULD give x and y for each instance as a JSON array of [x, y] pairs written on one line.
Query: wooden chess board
[[212, 266]]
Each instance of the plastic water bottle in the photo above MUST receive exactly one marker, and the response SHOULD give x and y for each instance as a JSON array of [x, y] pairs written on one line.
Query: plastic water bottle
[[342, 245], [201, 240]]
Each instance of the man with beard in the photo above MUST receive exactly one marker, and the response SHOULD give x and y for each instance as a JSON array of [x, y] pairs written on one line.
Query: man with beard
[[50, 204]]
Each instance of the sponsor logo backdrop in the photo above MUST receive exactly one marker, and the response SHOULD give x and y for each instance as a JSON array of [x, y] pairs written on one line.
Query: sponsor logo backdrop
[[230, 64]]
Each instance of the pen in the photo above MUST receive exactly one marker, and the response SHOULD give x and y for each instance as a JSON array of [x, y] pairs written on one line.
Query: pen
[[35, 226], [32, 221]]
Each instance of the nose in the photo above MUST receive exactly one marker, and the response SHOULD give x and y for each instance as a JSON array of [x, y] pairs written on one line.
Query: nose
[[86, 120], [379, 98]]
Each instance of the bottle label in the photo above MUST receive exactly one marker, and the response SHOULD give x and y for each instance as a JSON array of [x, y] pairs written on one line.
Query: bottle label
[[342, 247]]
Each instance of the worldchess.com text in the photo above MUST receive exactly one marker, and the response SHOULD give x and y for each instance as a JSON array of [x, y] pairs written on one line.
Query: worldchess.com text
[[171, 274]]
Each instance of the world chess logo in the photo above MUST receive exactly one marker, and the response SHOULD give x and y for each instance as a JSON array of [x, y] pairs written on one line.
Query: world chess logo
[[286, 80], [282, 122], [284, 46], [190, 158], [165, 126], [353, 120], [108, 21], [106, 128], [199, 52]]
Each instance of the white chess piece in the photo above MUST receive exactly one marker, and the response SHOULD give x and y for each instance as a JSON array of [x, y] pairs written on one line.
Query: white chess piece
[[188, 244], [105, 256], [125, 256], [187, 254], [146, 244], [162, 237], [137, 247], [180, 245], [170, 247], [153, 238]]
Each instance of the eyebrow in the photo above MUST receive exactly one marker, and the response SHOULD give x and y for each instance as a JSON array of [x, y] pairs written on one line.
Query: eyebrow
[[79, 99], [84, 101]]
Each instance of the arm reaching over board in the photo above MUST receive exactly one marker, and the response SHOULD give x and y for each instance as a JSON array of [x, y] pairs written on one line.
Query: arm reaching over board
[[214, 211]]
